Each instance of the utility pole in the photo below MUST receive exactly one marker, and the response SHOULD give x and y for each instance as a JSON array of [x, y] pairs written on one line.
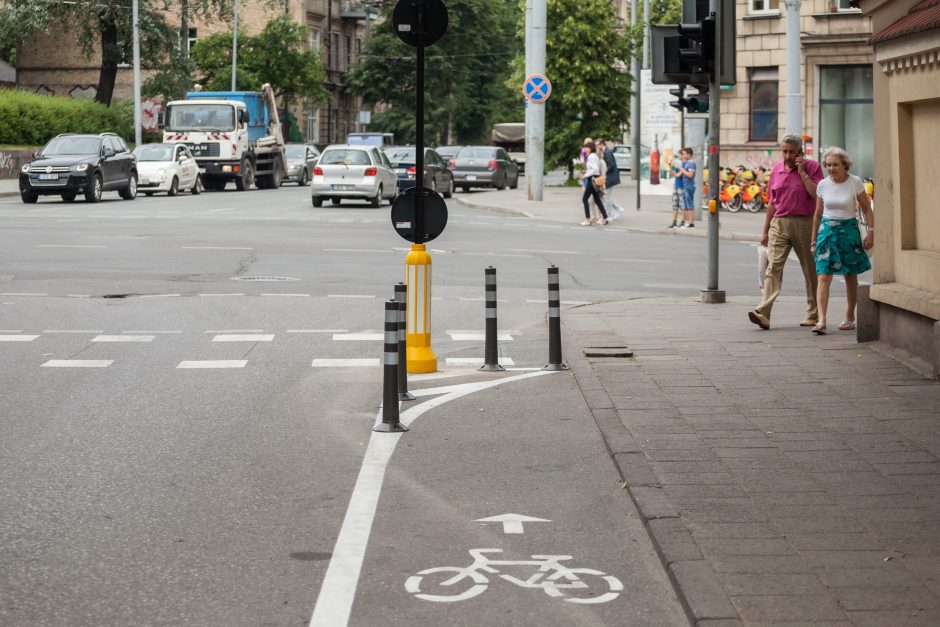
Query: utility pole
[[635, 106], [536, 18], [711, 294], [794, 99], [235, 46], [138, 139]]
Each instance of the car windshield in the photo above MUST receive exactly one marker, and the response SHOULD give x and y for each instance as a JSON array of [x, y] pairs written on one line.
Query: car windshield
[[344, 157], [154, 152], [295, 152], [201, 117], [448, 151], [476, 153], [72, 146], [621, 150], [401, 155]]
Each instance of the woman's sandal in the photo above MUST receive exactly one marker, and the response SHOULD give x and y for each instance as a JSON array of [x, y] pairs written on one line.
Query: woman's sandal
[[847, 325], [819, 329]]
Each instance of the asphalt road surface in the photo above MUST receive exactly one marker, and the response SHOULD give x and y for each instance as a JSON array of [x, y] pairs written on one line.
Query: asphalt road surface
[[188, 390]]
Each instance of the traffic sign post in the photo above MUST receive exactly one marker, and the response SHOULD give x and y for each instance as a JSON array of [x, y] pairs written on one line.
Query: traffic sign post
[[419, 23], [537, 88]]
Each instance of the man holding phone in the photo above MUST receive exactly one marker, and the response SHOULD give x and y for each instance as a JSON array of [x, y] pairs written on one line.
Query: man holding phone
[[788, 225]]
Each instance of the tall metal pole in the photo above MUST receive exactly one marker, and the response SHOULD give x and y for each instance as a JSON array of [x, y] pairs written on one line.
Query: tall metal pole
[[536, 18], [794, 99], [419, 129], [635, 106], [712, 294], [137, 111], [235, 46]]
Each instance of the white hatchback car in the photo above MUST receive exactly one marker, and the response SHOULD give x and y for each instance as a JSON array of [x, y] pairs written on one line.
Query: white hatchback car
[[166, 168], [345, 172]]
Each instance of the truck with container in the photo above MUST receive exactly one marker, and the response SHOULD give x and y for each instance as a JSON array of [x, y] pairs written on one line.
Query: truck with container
[[234, 136]]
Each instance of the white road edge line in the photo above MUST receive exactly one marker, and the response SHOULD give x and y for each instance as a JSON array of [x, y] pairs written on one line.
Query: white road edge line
[[334, 603]]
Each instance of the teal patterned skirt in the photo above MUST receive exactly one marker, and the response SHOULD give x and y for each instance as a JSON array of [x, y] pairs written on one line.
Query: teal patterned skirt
[[839, 248]]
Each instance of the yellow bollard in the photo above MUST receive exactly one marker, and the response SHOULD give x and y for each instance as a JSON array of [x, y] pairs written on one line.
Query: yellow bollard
[[421, 359]]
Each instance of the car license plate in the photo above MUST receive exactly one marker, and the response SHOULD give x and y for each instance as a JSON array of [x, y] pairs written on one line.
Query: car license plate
[[342, 188], [144, 181], [48, 177], [471, 177]]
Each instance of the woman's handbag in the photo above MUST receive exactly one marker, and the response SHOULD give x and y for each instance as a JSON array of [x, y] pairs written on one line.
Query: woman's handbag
[[599, 181]]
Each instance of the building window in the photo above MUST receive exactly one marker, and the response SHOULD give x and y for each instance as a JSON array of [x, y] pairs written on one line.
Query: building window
[[358, 49], [845, 114], [313, 39], [764, 91], [764, 6], [349, 50], [312, 130], [334, 51], [843, 5], [191, 40]]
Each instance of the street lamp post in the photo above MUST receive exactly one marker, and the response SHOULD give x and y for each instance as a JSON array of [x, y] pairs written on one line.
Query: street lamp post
[[235, 46]]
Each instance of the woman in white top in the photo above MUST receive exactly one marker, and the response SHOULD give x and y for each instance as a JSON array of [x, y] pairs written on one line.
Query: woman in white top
[[839, 248], [595, 212], [592, 169]]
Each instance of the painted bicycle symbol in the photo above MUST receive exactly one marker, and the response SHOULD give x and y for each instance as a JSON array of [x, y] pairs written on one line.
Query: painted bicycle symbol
[[447, 584]]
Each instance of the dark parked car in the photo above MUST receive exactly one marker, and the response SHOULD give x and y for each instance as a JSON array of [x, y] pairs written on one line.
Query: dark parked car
[[485, 166], [301, 158], [80, 164], [436, 174]]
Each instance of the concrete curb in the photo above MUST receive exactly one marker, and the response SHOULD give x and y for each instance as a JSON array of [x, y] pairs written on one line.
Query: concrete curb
[[739, 237], [695, 582]]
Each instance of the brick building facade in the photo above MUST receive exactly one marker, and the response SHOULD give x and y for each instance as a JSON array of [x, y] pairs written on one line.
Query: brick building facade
[[53, 64]]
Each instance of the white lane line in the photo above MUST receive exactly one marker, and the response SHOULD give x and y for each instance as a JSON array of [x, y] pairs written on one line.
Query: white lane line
[[350, 295], [22, 294], [69, 246], [334, 603], [219, 294], [150, 332], [243, 338], [356, 250], [477, 337], [11, 330], [228, 331], [78, 363], [318, 331], [216, 248], [344, 363], [482, 299], [17, 338], [123, 338], [215, 363], [221, 210], [481, 223], [160, 295], [283, 294], [549, 226], [546, 252], [475, 361], [634, 260], [78, 295], [356, 337], [89, 331], [563, 302], [496, 255]]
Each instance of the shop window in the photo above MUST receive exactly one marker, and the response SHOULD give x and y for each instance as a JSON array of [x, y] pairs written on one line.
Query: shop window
[[764, 103], [845, 114]]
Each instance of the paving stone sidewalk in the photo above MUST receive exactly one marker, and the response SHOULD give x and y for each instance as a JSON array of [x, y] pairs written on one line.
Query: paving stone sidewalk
[[784, 477]]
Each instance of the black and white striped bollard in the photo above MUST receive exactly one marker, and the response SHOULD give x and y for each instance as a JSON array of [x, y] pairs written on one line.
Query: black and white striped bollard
[[390, 422], [401, 297], [491, 353], [554, 323]]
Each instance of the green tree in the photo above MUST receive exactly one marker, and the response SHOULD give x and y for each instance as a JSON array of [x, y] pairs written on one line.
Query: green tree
[[108, 23], [465, 85], [586, 59], [665, 11], [277, 55]]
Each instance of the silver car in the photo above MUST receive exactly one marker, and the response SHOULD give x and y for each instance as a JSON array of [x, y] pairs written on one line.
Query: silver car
[[623, 156], [353, 173], [300, 161]]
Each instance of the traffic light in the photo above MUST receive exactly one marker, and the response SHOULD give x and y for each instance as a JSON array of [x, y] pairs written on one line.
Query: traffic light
[[697, 103], [697, 48]]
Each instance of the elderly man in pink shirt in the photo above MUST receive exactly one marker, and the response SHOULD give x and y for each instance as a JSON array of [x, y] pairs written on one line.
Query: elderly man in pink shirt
[[789, 225]]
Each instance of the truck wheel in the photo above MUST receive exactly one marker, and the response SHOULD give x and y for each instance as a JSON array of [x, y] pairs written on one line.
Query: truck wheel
[[276, 175], [247, 177]]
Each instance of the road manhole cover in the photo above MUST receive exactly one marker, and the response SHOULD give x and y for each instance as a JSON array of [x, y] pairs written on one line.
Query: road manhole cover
[[263, 279]]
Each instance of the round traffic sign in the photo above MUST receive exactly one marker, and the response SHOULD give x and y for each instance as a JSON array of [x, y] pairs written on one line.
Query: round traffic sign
[[405, 21], [537, 88], [403, 214]]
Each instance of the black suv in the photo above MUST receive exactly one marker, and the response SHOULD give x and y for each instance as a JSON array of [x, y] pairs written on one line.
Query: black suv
[[73, 164]]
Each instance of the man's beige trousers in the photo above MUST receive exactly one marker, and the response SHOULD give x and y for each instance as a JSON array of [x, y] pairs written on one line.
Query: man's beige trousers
[[789, 233]]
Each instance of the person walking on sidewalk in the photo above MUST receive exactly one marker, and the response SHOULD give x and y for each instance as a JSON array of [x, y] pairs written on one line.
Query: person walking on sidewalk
[[613, 178], [678, 196], [788, 226], [600, 183], [687, 174], [838, 247], [592, 170]]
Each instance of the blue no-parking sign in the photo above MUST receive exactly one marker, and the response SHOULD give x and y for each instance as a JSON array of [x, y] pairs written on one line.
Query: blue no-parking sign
[[537, 88]]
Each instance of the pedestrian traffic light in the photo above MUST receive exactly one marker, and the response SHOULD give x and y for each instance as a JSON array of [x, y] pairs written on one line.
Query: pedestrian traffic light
[[697, 103]]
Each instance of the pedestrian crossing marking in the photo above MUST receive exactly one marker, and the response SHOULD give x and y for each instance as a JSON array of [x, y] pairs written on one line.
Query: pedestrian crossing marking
[[476, 336], [123, 338], [78, 363], [345, 363], [243, 338], [370, 337], [475, 361], [17, 338], [216, 363]]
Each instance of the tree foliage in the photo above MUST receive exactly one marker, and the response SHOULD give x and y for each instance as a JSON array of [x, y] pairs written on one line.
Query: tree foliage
[[586, 59], [277, 55], [465, 85]]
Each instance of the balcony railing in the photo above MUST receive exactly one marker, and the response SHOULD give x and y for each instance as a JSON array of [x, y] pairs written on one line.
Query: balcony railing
[[356, 9]]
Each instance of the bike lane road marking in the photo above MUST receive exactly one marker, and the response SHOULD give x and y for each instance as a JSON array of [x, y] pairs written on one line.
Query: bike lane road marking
[[338, 591]]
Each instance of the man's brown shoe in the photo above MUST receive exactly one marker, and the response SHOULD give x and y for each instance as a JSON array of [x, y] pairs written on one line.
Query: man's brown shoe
[[759, 320], [809, 322]]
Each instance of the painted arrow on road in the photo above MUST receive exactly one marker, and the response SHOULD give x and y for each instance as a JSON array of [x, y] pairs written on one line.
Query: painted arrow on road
[[512, 523]]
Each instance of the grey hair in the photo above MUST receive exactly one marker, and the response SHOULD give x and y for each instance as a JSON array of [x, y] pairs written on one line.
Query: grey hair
[[794, 140], [835, 151]]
